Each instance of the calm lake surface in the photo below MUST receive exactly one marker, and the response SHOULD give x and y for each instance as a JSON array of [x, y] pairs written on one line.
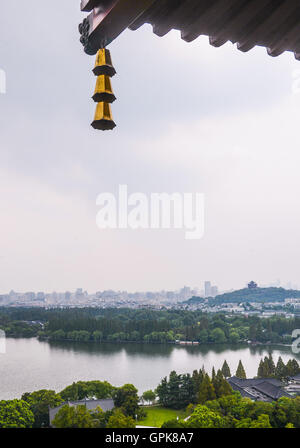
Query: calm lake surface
[[30, 365]]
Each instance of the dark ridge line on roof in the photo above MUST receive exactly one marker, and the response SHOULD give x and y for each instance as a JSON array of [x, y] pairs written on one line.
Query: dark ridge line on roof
[[274, 24]]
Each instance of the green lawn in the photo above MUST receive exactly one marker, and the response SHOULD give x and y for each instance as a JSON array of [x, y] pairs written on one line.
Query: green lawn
[[157, 415]]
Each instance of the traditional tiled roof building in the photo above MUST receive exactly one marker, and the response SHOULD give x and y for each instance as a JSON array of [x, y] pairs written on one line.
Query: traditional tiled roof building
[[259, 389], [105, 405], [273, 24]]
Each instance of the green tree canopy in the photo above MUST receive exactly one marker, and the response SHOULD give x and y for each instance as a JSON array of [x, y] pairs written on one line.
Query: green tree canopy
[[240, 372], [292, 367], [218, 336], [222, 387], [226, 370], [174, 424], [126, 398], [149, 396], [206, 390], [280, 370], [73, 417], [15, 414], [262, 421], [87, 389], [203, 417], [119, 420], [39, 402]]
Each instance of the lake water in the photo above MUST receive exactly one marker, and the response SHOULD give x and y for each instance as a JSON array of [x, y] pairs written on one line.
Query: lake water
[[29, 364]]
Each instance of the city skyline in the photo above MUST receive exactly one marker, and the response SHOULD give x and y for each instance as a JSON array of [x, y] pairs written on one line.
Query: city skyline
[[199, 289]]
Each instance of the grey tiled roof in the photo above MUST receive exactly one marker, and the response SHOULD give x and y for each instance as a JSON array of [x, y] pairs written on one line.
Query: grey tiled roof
[[262, 389], [295, 377], [255, 381], [271, 391], [105, 405], [243, 392], [271, 24]]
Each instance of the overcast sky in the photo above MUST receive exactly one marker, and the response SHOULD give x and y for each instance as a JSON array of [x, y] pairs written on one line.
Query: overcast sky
[[190, 118]]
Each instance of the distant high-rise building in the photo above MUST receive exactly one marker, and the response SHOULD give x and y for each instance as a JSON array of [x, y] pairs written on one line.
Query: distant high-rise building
[[214, 291], [29, 296], [40, 296], [207, 289], [185, 292], [13, 296], [79, 295]]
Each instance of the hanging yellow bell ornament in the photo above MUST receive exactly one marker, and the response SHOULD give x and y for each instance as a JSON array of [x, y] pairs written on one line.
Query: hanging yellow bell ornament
[[103, 90], [103, 119], [103, 94], [103, 65]]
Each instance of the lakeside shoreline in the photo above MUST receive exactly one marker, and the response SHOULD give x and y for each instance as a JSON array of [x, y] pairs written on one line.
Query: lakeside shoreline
[[242, 344]]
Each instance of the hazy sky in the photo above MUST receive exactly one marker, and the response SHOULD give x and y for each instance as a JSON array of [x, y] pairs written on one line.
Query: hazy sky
[[191, 118]]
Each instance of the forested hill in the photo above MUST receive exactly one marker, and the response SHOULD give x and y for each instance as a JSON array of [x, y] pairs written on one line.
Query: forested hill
[[251, 295]]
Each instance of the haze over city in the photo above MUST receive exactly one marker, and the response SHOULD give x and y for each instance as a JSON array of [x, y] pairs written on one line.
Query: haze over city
[[223, 123]]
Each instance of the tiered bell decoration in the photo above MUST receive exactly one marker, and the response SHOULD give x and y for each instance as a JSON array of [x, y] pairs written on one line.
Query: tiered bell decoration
[[103, 90], [103, 94], [103, 64]]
